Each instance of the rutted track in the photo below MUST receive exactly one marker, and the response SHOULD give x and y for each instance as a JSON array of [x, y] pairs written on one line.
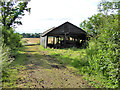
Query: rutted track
[[43, 71]]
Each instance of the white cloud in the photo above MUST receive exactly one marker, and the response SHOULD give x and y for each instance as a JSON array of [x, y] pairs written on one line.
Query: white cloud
[[48, 13]]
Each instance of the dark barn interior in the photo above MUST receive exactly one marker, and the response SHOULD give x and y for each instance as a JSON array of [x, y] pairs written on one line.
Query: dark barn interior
[[64, 36]]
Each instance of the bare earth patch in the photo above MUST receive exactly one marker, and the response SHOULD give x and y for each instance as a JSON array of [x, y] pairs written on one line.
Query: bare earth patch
[[43, 71]]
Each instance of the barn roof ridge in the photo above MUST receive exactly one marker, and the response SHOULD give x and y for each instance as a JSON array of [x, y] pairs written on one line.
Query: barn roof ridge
[[53, 28]]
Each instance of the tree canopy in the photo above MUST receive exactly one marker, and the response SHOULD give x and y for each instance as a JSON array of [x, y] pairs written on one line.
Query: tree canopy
[[12, 12], [31, 35]]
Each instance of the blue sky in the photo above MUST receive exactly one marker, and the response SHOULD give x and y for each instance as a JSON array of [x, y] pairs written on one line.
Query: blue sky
[[49, 13]]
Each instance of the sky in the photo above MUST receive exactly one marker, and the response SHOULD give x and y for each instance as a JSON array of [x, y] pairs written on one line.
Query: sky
[[46, 14]]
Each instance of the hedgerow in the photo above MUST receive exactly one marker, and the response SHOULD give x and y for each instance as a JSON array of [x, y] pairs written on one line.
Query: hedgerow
[[103, 52]]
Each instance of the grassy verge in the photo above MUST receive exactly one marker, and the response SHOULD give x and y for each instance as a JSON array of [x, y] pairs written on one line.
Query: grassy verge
[[10, 76]]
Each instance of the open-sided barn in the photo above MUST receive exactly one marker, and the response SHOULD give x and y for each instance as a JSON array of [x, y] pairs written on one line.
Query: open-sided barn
[[65, 35]]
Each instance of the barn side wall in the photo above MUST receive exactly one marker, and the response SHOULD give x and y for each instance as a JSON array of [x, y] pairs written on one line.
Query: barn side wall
[[43, 41]]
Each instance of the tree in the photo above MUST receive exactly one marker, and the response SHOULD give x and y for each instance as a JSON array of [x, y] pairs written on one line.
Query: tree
[[108, 7], [11, 12], [106, 10], [32, 35], [92, 24]]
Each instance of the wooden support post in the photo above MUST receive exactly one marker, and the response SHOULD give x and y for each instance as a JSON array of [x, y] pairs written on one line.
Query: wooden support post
[[68, 38], [53, 40], [78, 40], [46, 41], [58, 39], [74, 39], [64, 40]]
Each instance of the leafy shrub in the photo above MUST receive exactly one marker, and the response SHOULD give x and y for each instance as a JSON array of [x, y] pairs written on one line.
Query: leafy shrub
[[12, 40], [104, 51]]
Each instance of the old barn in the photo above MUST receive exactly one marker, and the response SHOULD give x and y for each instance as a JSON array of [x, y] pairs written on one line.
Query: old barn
[[64, 36]]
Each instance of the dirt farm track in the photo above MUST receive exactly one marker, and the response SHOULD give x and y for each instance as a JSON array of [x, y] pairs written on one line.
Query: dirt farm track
[[43, 70]]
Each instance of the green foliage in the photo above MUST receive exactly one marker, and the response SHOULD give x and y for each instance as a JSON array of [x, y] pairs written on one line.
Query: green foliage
[[11, 12], [12, 40], [93, 23], [6, 60], [104, 48], [106, 6]]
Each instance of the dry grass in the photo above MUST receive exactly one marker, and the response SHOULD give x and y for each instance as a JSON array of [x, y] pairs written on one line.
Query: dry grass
[[35, 40], [31, 40]]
